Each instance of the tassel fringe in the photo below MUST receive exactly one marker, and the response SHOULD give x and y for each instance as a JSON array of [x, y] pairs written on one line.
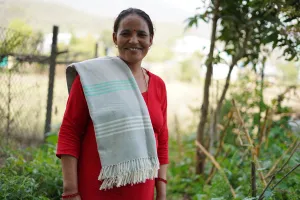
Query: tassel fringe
[[130, 172]]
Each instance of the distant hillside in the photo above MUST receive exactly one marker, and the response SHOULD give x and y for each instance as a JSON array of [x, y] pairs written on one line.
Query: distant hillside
[[43, 15]]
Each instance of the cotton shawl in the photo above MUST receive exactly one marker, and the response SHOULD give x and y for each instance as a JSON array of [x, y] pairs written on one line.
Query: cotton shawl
[[124, 132]]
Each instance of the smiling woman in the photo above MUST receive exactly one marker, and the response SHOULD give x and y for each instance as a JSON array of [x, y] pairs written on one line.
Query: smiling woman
[[133, 35], [113, 141]]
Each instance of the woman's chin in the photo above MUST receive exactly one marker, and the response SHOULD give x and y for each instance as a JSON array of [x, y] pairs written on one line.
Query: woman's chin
[[133, 58]]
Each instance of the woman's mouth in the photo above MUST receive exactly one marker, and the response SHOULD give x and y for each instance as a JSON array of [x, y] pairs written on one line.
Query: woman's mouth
[[134, 49]]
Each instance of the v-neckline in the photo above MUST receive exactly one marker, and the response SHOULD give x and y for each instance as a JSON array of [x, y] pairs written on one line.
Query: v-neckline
[[149, 81]]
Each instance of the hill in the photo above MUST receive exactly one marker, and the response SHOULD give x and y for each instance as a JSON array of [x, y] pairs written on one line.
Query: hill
[[43, 15]]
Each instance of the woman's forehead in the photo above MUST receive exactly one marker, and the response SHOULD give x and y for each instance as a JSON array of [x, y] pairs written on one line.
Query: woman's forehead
[[134, 22]]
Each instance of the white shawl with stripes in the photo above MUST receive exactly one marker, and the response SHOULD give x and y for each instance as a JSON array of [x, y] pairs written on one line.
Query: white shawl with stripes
[[123, 128]]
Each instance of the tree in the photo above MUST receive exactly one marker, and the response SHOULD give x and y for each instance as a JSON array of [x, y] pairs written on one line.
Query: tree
[[245, 27], [83, 45], [15, 36], [20, 26], [214, 11]]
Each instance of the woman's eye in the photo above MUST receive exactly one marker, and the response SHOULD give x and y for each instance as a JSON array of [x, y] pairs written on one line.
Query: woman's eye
[[125, 34]]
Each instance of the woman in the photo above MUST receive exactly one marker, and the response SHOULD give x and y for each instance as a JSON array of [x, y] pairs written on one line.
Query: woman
[[81, 150]]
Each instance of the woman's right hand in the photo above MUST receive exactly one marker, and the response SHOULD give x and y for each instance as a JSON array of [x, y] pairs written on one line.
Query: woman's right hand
[[70, 183], [73, 198]]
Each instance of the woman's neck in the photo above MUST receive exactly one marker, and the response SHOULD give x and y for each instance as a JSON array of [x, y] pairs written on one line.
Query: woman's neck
[[135, 68]]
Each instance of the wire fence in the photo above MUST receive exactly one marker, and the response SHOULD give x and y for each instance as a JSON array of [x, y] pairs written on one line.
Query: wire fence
[[22, 101], [24, 86]]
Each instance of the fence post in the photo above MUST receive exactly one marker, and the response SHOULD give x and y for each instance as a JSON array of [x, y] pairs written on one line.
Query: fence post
[[96, 49], [51, 80]]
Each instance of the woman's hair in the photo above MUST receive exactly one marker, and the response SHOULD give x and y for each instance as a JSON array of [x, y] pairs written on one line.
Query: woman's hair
[[138, 12]]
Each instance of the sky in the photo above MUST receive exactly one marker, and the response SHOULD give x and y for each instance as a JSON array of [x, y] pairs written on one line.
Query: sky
[[159, 10]]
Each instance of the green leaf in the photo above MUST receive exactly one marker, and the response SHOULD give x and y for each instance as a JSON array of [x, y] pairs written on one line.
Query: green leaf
[[52, 138], [268, 193]]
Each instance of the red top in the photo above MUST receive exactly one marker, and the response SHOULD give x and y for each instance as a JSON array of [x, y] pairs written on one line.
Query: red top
[[77, 138]]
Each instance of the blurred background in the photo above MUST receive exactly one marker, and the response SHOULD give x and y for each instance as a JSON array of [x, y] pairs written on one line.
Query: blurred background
[[232, 73]]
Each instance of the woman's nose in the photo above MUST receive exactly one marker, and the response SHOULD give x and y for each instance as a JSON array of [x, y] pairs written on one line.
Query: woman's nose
[[133, 39]]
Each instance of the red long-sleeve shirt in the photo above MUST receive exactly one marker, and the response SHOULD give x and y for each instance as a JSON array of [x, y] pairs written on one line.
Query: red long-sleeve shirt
[[77, 138]]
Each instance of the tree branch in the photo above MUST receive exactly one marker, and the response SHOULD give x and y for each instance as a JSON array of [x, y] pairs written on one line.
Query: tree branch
[[273, 176], [212, 171], [217, 165], [293, 151], [269, 174], [293, 169], [262, 194], [250, 141]]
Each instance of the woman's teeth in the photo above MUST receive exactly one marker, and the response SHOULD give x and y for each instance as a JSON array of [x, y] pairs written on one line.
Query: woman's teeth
[[133, 49]]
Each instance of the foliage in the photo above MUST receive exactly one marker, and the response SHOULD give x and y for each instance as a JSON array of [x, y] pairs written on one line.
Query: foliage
[[180, 169], [20, 26], [247, 25], [12, 39], [19, 38], [236, 159], [31, 174], [85, 45]]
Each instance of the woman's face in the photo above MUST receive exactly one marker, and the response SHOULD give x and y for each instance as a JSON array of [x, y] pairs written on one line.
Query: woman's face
[[133, 39]]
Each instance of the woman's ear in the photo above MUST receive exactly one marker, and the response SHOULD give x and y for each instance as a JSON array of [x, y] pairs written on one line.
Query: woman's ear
[[151, 40], [114, 35]]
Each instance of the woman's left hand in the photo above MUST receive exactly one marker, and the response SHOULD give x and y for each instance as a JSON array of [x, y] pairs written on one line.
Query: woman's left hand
[[161, 197]]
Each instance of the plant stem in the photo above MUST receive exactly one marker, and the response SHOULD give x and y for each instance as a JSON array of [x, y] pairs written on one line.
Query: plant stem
[[293, 169]]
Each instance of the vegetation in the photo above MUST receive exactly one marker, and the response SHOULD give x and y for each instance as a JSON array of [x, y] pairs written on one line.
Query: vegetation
[[275, 151], [248, 29], [35, 173], [247, 146], [31, 174]]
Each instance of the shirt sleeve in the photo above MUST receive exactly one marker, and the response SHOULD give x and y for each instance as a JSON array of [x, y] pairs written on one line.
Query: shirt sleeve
[[74, 122], [163, 136]]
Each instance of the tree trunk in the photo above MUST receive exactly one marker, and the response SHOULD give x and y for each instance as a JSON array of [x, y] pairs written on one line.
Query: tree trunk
[[235, 59], [253, 179], [200, 156], [220, 102], [261, 93]]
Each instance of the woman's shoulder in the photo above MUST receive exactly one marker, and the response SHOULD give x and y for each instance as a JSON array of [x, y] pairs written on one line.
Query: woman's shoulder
[[77, 81], [76, 85], [156, 79]]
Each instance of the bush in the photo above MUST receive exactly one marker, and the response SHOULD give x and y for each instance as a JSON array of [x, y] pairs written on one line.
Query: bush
[[31, 174]]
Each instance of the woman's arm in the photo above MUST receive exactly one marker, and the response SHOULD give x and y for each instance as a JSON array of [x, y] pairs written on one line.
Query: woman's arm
[[69, 170], [73, 126], [161, 187], [163, 136]]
